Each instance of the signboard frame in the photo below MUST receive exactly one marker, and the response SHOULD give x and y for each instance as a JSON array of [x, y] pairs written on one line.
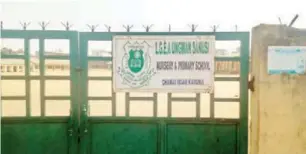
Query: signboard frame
[[212, 51]]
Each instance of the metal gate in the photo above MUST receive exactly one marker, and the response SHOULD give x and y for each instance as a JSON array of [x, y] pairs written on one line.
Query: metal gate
[[121, 128]]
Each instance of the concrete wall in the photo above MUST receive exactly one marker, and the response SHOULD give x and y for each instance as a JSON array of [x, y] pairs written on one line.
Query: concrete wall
[[278, 104]]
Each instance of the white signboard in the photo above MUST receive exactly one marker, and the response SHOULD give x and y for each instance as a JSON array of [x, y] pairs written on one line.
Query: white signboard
[[286, 59], [163, 63]]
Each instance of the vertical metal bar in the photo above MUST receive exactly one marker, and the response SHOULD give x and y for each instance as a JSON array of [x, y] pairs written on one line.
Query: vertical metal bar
[[155, 104], [74, 88], [114, 96], [212, 105], [27, 74], [42, 74], [83, 58], [162, 138], [244, 73], [127, 104], [127, 95], [212, 98], [169, 102], [113, 103], [198, 105]]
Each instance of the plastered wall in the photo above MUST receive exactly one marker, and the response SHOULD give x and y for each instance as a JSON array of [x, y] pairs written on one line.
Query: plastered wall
[[278, 104]]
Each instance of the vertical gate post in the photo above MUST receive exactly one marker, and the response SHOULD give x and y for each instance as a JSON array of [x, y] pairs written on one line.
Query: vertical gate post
[[244, 106]]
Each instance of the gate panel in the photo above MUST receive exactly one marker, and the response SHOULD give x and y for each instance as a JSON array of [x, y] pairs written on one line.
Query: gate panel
[[124, 138], [39, 132], [198, 139], [34, 138], [209, 132]]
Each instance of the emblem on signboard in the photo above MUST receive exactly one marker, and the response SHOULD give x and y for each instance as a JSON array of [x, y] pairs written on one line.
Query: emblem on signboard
[[136, 60], [136, 68]]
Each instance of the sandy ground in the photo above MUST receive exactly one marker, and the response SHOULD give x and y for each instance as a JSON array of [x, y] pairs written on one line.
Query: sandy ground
[[103, 108]]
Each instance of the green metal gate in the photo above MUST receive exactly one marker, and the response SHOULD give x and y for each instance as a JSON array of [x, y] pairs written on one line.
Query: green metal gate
[[117, 133], [41, 134]]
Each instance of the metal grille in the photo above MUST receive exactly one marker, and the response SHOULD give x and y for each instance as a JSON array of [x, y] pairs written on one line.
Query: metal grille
[[158, 110]]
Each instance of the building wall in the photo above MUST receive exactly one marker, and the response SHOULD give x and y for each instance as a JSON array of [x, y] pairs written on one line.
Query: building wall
[[278, 104]]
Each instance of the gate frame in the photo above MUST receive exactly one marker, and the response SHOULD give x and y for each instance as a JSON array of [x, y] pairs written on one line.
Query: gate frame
[[42, 35], [243, 37], [78, 122]]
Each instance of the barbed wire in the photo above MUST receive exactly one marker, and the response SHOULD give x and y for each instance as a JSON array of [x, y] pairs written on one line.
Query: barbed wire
[[193, 27], [108, 28], [293, 20], [43, 25], [67, 25], [214, 28], [92, 27], [25, 25], [147, 28], [280, 21], [127, 27]]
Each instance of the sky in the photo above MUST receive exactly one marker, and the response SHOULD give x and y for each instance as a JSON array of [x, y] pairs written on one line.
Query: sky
[[179, 13]]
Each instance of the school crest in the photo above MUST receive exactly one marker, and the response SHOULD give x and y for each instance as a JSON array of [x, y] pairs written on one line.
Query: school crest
[[136, 60], [136, 68]]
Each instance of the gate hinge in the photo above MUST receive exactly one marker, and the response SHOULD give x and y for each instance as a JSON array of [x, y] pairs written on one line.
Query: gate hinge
[[251, 84]]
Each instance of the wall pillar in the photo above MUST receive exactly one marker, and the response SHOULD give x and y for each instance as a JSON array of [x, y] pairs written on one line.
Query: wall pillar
[[278, 104]]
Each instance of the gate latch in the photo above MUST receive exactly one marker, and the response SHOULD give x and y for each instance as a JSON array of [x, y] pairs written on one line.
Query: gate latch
[[251, 84], [82, 132]]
